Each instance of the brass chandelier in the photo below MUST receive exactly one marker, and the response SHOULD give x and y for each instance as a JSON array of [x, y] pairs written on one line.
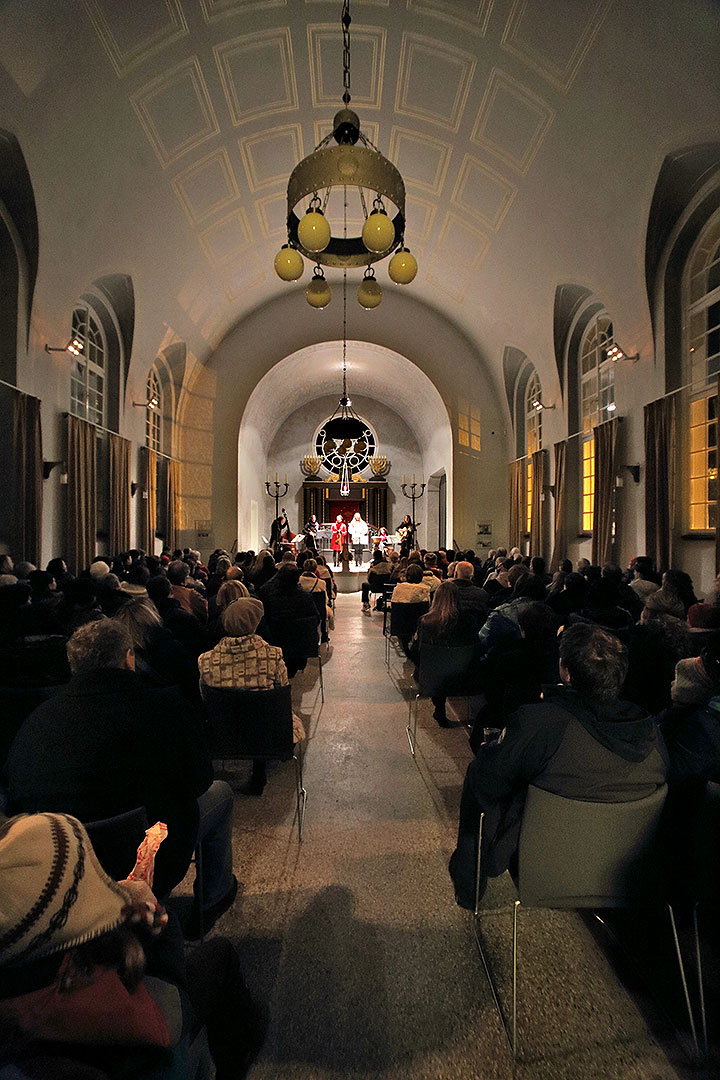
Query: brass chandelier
[[354, 162]]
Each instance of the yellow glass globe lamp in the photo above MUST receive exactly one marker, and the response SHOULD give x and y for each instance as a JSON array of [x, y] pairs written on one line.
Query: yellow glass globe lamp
[[403, 267], [369, 292], [289, 263], [318, 294], [378, 231], [313, 230]]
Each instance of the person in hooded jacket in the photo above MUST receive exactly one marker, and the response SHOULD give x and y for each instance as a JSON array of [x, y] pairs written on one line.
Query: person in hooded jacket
[[581, 742]]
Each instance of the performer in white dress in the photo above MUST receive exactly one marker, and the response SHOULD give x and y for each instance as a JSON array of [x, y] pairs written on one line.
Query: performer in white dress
[[358, 530]]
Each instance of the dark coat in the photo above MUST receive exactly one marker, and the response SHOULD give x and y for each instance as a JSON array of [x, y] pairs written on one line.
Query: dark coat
[[472, 598], [106, 743]]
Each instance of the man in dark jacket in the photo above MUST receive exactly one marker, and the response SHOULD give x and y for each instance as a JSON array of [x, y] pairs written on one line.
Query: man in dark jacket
[[470, 597], [580, 742], [287, 607], [106, 744]]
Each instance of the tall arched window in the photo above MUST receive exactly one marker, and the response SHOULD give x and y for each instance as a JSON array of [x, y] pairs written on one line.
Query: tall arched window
[[701, 347], [153, 412], [533, 439], [88, 377], [597, 400]]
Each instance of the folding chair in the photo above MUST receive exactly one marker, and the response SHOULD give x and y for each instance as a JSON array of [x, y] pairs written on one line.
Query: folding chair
[[403, 623], [299, 640], [249, 724], [574, 854], [443, 671]]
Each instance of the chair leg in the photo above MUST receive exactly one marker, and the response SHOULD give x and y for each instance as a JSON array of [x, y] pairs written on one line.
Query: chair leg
[[701, 990], [683, 980], [322, 685], [412, 731], [200, 893], [300, 792]]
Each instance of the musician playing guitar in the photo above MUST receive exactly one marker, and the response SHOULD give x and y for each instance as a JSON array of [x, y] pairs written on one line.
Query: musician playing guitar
[[406, 532]]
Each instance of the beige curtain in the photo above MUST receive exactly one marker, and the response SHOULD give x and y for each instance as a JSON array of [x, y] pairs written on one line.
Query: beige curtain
[[172, 500], [517, 500], [27, 479], [536, 505], [81, 494], [660, 445], [560, 538], [605, 436], [119, 523], [150, 501]]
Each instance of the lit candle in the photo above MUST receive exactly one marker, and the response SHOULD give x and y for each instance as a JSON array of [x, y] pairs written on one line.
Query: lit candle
[[403, 479], [286, 478], [413, 480], [276, 478], [422, 482]]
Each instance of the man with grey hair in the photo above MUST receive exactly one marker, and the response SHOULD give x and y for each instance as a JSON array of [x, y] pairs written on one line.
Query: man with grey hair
[[470, 597], [105, 744]]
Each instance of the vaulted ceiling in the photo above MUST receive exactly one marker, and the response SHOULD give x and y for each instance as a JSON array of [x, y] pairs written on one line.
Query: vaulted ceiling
[[159, 135]]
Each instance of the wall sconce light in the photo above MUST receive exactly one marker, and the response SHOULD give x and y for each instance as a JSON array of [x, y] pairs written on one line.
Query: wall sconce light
[[611, 407], [48, 467], [634, 471], [74, 346], [133, 488], [615, 353], [538, 406], [152, 403]]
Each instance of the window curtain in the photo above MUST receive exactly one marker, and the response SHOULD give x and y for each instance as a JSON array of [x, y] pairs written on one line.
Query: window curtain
[[517, 499], [150, 500], [119, 530], [27, 478], [605, 436], [660, 438], [172, 477], [81, 494], [560, 539], [536, 504]]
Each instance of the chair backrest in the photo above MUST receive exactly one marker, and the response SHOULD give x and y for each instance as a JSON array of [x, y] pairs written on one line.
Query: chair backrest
[[249, 723], [377, 581], [445, 669], [577, 854], [404, 618], [116, 840], [298, 638]]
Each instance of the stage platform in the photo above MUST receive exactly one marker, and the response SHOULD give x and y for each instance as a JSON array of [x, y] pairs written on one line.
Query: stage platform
[[349, 581]]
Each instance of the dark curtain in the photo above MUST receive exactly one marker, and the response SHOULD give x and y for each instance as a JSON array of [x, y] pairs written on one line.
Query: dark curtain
[[605, 436], [119, 531], [27, 463], [312, 500], [377, 505], [660, 441], [536, 505], [517, 500], [560, 537], [81, 494], [172, 478], [150, 501]]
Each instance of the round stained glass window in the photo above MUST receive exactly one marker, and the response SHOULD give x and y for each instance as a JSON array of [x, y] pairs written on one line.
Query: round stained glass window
[[341, 440]]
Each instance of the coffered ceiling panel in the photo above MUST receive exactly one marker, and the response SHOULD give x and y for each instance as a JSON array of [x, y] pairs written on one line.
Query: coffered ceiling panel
[[433, 81], [218, 9], [176, 112], [458, 252], [272, 214], [512, 121], [206, 187], [422, 159], [483, 192], [554, 39], [130, 41], [272, 88], [270, 156], [368, 61], [420, 217], [467, 14], [242, 276], [227, 238]]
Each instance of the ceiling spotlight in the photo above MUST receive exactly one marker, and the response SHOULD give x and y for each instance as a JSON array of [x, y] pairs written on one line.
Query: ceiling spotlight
[[152, 403], [74, 346], [538, 406], [615, 353]]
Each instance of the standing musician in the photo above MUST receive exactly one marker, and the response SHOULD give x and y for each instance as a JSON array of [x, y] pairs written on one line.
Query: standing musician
[[310, 531], [358, 530], [280, 532], [406, 532], [338, 536]]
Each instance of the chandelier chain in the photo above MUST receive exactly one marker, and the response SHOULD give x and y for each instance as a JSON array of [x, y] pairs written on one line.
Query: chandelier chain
[[346, 20], [345, 333]]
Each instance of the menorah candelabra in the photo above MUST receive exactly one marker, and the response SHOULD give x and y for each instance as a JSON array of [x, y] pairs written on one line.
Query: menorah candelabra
[[277, 494], [414, 495]]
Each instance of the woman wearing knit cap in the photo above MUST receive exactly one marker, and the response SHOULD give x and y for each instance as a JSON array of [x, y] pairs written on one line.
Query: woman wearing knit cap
[[92, 976], [244, 661]]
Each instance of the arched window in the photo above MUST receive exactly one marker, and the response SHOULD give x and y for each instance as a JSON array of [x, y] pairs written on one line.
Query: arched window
[[88, 394], [533, 439], [701, 349], [597, 400], [153, 412]]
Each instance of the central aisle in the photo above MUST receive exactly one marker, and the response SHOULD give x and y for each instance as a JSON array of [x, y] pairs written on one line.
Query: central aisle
[[352, 938]]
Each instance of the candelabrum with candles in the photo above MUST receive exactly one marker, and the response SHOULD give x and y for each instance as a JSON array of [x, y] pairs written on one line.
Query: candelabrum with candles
[[410, 491], [379, 466], [277, 494], [310, 466]]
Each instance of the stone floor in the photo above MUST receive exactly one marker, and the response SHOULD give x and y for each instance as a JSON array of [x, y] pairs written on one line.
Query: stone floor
[[353, 939]]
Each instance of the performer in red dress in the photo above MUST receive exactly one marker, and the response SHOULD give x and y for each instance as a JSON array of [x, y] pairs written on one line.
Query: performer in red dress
[[338, 538]]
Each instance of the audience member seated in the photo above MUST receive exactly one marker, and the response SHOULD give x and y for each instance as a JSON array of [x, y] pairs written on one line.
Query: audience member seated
[[680, 585], [183, 626], [263, 569], [190, 599], [445, 624], [469, 596], [643, 577], [626, 597], [285, 601], [326, 575], [570, 598], [160, 660], [95, 978], [655, 645], [377, 575], [78, 604], [315, 586], [581, 742], [230, 590], [503, 620], [244, 661], [105, 743], [706, 616], [413, 590]]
